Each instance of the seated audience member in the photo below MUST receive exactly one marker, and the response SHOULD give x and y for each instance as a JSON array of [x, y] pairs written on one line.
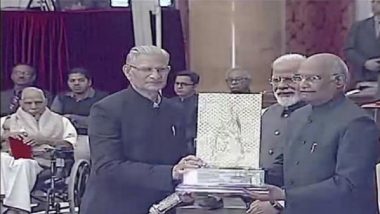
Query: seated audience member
[[35, 125], [76, 104], [274, 122], [185, 86], [22, 76], [362, 49], [238, 81]]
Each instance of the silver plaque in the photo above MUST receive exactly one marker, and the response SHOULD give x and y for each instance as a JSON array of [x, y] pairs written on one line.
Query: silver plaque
[[228, 140]]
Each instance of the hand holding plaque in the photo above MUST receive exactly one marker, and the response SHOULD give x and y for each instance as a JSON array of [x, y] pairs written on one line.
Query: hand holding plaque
[[185, 165]]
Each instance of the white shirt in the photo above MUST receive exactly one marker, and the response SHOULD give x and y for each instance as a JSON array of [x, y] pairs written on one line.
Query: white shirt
[[377, 26], [69, 132]]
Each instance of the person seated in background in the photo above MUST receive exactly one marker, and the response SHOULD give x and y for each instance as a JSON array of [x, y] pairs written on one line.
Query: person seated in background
[[238, 81], [22, 76], [35, 125], [76, 104], [362, 49], [185, 86], [274, 122]]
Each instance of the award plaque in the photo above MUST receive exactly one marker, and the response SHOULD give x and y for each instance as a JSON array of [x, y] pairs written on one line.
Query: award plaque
[[228, 140]]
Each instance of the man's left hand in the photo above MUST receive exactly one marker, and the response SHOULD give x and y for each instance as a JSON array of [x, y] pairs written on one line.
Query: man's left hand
[[274, 193], [262, 207]]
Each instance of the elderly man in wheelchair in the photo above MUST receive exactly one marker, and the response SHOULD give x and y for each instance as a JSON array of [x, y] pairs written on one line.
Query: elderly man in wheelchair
[[37, 141]]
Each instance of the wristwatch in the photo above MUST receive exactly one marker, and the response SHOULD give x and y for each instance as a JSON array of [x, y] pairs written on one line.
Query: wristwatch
[[277, 205]]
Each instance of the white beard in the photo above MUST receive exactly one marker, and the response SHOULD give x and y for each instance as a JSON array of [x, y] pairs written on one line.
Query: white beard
[[287, 101]]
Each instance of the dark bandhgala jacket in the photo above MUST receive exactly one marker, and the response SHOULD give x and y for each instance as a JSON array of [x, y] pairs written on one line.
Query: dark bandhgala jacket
[[273, 136], [189, 110], [330, 159], [361, 45], [134, 145]]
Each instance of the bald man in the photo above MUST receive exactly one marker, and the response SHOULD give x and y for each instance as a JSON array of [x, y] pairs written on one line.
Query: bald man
[[330, 157], [35, 125], [238, 81], [22, 76]]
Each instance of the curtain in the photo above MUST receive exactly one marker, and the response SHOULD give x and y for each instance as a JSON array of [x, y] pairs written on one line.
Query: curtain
[[314, 26], [36, 39], [183, 7], [96, 39]]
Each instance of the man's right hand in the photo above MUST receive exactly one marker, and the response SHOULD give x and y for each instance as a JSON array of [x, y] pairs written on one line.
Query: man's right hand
[[186, 164], [16, 135], [372, 64]]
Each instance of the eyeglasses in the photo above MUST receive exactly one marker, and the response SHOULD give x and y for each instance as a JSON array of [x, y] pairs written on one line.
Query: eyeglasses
[[238, 80], [150, 70], [307, 78], [181, 84], [278, 80]]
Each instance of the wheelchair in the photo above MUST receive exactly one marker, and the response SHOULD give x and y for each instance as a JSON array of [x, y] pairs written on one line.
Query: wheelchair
[[63, 183]]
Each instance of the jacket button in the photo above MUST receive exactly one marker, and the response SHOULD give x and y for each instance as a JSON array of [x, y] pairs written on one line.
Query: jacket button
[[270, 152], [277, 132], [297, 162]]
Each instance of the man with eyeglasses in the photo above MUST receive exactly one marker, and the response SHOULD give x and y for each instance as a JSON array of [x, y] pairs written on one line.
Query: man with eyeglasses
[[137, 144], [238, 81], [274, 122], [332, 147], [185, 86], [23, 75]]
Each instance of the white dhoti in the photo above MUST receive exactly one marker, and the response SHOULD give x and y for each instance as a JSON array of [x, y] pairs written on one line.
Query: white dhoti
[[17, 180]]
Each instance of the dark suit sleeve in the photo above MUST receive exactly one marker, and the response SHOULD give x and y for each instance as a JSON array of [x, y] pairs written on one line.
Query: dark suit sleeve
[[108, 160], [353, 55], [356, 160]]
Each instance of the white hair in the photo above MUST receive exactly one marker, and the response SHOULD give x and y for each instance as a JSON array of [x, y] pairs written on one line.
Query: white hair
[[338, 66], [288, 58], [245, 73], [288, 101], [146, 50], [27, 90]]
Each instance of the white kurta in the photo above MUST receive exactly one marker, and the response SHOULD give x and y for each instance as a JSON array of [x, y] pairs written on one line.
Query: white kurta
[[18, 176]]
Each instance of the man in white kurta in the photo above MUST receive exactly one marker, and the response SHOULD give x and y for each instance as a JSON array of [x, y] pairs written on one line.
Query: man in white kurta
[[35, 125]]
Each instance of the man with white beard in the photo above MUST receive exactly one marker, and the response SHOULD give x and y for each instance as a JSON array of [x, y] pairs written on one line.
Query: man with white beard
[[274, 121]]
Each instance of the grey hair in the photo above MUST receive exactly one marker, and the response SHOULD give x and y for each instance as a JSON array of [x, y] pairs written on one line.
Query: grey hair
[[288, 58], [246, 74], [338, 66], [32, 89], [146, 50]]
